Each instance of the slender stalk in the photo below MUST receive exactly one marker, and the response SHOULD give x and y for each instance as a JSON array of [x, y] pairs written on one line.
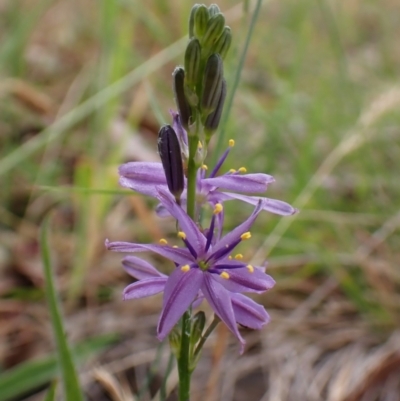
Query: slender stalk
[[203, 339], [183, 361]]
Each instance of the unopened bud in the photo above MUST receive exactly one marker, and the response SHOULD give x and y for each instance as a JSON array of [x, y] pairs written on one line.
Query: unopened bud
[[182, 103], [192, 62], [171, 159], [215, 27], [213, 9], [200, 21], [198, 323], [223, 43], [212, 84], [191, 20], [174, 338], [212, 121]]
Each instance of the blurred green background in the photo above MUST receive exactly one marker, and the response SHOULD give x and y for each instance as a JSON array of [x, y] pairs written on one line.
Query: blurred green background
[[85, 86]]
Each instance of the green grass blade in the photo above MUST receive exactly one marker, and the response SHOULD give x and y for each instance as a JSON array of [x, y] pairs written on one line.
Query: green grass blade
[[72, 390], [232, 92], [29, 375], [67, 121], [51, 394]]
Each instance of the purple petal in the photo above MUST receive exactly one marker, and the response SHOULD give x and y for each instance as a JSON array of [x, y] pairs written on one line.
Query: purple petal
[[197, 302], [142, 177], [139, 268], [180, 291], [252, 183], [234, 235], [219, 299], [241, 280], [271, 205], [177, 255], [187, 225], [145, 288], [178, 128], [249, 313]]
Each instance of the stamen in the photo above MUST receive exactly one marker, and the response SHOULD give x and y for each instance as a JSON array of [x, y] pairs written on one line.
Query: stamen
[[232, 170], [175, 246], [246, 235], [218, 208], [181, 235], [239, 256], [242, 170], [204, 167], [230, 257], [163, 241], [231, 143], [225, 275], [185, 268], [250, 268]]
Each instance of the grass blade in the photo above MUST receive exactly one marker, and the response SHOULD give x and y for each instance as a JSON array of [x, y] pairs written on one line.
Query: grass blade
[[229, 102], [72, 390], [51, 393], [33, 374]]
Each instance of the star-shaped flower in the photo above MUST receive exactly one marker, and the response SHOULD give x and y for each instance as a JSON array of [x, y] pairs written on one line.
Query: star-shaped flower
[[204, 267], [146, 177]]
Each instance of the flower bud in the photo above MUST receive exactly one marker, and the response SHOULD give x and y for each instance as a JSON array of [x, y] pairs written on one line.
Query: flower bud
[[192, 62], [171, 159], [212, 84], [215, 27], [223, 43], [200, 21], [191, 20], [212, 121], [174, 338], [213, 10], [198, 323], [184, 108]]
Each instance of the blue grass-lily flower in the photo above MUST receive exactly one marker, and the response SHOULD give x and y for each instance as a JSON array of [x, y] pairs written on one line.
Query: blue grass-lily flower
[[146, 177], [204, 268]]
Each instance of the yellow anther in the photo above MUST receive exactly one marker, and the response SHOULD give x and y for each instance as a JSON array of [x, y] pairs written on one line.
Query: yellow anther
[[232, 170], [245, 236], [239, 256], [225, 275], [218, 208], [231, 143], [230, 257], [200, 145], [175, 246], [204, 167], [250, 268], [163, 241], [181, 234], [185, 268], [242, 170]]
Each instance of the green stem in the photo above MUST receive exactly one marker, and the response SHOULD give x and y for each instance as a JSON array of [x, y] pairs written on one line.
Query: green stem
[[209, 330], [183, 361]]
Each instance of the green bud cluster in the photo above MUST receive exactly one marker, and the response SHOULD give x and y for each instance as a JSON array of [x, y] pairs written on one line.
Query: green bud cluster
[[199, 86]]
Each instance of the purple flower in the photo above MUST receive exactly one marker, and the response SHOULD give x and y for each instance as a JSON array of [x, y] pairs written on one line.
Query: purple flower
[[146, 177], [204, 268]]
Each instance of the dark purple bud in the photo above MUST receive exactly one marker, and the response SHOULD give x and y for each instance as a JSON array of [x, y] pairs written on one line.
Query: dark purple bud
[[171, 159], [185, 111], [212, 84], [212, 121]]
